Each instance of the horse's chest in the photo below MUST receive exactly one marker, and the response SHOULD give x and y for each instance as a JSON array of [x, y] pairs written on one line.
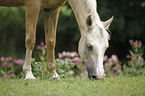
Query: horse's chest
[[52, 3]]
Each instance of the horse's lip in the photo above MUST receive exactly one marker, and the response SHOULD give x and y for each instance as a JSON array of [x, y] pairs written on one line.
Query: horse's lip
[[96, 77]]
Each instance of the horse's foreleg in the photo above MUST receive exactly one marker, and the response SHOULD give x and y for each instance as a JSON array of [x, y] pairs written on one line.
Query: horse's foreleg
[[31, 16], [50, 21]]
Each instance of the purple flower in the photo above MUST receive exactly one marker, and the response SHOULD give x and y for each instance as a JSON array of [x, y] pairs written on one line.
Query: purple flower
[[105, 65], [45, 46], [73, 54], [42, 43], [10, 65], [105, 58], [64, 53], [76, 59], [112, 73], [134, 58], [131, 42], [10, 75], [110, 63], [2, 59], [8, 58], [142, 59], [13, 75], [59, 55], [3, 64], [136, 43], [20, 61], [7, 76], [127, 56], [38, 47], [68, 54], [114, 68], [114, 58], [140, 44]]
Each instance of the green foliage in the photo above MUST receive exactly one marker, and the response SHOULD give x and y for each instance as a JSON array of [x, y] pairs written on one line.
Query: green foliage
[[128, 23], [66, 11], [69, 64], [12, 31], [112, 66], [10, 68], [135, 65], [64, 68]]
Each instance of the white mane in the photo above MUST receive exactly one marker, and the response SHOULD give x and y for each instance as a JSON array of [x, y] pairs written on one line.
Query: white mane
[[91, 6]]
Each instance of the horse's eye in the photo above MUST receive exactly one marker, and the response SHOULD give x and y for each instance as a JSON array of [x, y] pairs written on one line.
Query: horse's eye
[[90, 47]]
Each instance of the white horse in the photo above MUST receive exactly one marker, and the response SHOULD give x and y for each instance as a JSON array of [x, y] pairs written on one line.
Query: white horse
[[94, 37]]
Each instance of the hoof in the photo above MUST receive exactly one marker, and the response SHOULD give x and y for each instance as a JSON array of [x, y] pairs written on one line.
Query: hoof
[[29, 76], [54, 78]]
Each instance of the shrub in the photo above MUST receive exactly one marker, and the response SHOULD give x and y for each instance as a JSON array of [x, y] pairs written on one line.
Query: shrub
[[135, 64], [79, 68], [67, 64], [10, 67], [112, 66]]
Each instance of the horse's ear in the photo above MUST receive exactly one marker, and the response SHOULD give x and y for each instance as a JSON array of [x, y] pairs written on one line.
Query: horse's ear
[[108, 22]]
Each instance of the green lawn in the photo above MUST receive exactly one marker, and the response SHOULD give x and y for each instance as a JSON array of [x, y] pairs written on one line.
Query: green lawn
[[116, 86]]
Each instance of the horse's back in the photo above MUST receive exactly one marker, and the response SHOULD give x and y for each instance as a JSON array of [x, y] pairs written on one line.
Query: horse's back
[[12, 2]]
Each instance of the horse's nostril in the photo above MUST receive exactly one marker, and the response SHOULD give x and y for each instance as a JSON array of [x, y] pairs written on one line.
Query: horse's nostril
[[95, 77]]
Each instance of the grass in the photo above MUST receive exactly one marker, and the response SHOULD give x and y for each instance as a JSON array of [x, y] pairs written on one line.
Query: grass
[[113, 86]]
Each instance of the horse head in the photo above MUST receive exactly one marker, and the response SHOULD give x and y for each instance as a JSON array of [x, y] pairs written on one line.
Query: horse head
[[93, 44]]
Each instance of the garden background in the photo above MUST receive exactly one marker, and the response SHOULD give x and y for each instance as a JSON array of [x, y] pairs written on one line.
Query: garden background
[[128, 24]]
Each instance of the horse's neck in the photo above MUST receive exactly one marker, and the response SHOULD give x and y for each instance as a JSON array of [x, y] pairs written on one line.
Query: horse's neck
[[82, 9]]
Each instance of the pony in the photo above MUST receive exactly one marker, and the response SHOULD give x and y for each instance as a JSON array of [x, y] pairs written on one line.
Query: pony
[[93, 41]]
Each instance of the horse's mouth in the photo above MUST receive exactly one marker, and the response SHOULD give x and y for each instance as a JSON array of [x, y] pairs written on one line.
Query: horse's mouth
[[95, 77]]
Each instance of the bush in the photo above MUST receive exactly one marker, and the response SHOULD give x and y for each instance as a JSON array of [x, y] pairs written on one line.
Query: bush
[[135, 64], [10, 67], [69, 64], [112, 66]]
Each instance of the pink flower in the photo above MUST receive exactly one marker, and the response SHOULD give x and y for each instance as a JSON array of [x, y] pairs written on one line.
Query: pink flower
[[3, 64], [10, 65], [59, 55], [2, 59], [134, 58], [7, 58], [13, 75], [42, 43], [105, 65], [73, 54], [105, 58], [112, 73], [20, 61], [7, 76], [114, 68], [131, 42], [68, 54], [10, 58], [136, 43], [45, 46], [114, 58], [64, 53], [38, 47], [140, 44], [127, 56], [142, 59]]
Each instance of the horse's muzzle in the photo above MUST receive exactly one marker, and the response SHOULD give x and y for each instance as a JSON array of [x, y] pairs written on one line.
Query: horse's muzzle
[[95, 77]]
